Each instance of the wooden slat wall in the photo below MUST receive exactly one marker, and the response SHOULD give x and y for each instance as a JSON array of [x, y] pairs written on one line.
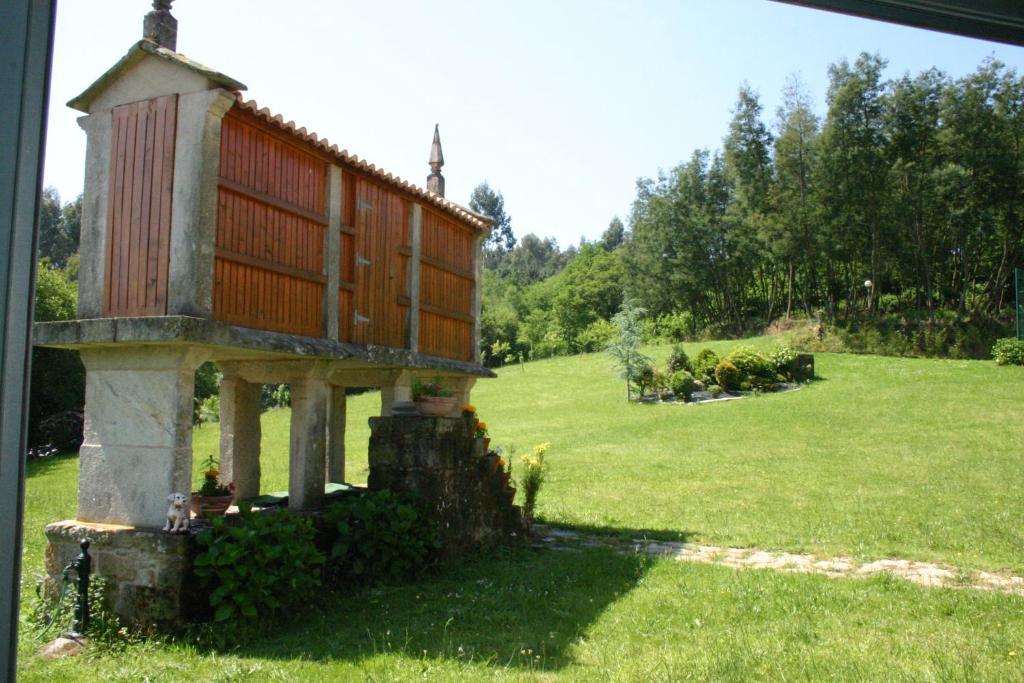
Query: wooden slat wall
[[269, 268], [139, 207], [446, 288], [381, 219]]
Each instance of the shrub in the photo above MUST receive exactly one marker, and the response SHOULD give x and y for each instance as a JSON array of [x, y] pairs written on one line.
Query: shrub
[[534, 473], [704, 366], [645, 378], [715, 391], [209, 410], [378, 536], [683, 385], [1009, 351], [783, 361], [751, 362], [596, 336], [259, 564], [728, 376], [678, 360]]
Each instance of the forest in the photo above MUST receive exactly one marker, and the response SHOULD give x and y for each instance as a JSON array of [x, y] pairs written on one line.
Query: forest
[[896, 219]]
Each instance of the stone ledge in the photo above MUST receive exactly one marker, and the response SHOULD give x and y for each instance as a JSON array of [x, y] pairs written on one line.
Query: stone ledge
[[230, 342]]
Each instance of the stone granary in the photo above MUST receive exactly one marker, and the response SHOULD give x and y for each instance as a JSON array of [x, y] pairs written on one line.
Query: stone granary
[[214, 230]]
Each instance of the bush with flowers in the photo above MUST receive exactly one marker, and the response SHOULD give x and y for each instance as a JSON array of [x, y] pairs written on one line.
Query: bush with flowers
[[534, 471]]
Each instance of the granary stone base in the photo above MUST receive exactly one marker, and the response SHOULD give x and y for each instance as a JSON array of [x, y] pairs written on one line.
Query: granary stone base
[[465, 491], [146, 571]]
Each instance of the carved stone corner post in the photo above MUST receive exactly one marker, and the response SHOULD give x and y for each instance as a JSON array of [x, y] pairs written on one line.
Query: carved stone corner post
[[194, 201]]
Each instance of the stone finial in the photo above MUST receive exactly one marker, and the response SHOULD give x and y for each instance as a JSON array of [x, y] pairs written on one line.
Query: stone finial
[[160, 27], [435, 181]]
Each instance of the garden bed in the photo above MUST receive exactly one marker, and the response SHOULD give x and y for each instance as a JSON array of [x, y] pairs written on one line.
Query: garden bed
[[704, 396]]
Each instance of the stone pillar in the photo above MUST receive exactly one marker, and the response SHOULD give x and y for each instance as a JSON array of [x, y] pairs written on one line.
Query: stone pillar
[[398, 391], [462, 386], [138, 433], [336, 436], [416, 239], [332, 251], [478, 296], [194, 201], [240, 436], [93, 241], [307, 449]]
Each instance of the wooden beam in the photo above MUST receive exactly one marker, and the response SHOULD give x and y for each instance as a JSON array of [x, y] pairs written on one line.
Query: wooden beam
[[279, 268], [264, 198]]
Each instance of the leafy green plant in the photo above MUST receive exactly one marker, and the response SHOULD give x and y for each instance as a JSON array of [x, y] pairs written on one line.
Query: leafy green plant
[[1009, 351], [211, 484], [783, 361], [258, 563], [209, 410], [534, 473], [435, 388], [645, 378], [683, 385], [715, 390], [728, 376], [751, 362], [704, 365], [378, 536], [678, 360]]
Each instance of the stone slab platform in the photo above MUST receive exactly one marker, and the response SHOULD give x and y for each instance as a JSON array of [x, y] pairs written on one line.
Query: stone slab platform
[[231, 342]]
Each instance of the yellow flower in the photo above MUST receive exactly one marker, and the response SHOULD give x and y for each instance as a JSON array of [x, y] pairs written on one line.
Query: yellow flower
[[469, 408], [213, 473], [482, 425]]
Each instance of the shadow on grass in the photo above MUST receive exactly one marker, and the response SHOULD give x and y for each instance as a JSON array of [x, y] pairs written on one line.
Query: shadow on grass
[[35, 467], [521, 609], [623, 533]]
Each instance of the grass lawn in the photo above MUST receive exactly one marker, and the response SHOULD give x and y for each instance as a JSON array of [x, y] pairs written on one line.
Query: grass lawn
[[918, 459]]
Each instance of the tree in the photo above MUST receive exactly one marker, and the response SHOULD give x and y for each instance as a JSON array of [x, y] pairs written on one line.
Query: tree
[[614, 236], [59, 227], [790, 234], [625, 347], [486, 201]]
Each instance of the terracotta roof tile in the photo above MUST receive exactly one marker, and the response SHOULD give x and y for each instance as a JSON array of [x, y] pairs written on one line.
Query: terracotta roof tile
[[462, 213]]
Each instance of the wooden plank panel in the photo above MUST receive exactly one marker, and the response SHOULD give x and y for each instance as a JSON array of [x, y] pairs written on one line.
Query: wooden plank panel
[[139, 213]]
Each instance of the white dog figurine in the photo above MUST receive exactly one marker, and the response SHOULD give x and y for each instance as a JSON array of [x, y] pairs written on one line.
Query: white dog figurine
[[177, 514]]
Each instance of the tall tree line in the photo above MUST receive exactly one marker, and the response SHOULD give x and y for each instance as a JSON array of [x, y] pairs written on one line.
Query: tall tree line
[[908, 195]]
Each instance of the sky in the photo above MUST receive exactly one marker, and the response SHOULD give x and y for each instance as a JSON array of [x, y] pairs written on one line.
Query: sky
[[559, 104]]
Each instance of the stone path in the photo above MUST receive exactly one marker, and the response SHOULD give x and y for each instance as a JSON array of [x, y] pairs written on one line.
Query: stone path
[[922, 573]]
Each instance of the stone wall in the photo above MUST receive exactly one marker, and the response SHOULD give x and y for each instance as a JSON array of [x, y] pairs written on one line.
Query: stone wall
[[465, 491], [147, 572]]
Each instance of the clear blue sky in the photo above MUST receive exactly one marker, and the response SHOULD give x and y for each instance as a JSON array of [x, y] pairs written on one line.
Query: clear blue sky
[[560, 105]]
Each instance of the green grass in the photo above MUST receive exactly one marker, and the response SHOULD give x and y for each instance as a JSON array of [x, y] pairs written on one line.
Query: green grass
[[883, 457]]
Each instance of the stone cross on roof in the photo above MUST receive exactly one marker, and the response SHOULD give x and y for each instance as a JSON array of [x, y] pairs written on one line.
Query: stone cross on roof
[[435, 181]]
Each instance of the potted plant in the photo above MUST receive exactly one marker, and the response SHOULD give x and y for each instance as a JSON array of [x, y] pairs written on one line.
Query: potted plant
[[432, 399], [213, 498], [481, 433]]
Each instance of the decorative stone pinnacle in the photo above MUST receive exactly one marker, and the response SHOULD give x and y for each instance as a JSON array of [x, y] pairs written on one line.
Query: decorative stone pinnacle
[[435, 181], [160, 27]]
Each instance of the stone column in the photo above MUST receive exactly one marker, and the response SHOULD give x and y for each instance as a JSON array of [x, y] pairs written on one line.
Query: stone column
[[194, 202], [240, 435], [462, 387], [477, 295], [138, 433], [307, 448], [416, 238], [336, 436], [93, 241], [397, 391], [332, 252]]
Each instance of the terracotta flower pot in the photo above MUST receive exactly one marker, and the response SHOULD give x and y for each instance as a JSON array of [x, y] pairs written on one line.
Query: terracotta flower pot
[[435, 406], [214, 506]]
